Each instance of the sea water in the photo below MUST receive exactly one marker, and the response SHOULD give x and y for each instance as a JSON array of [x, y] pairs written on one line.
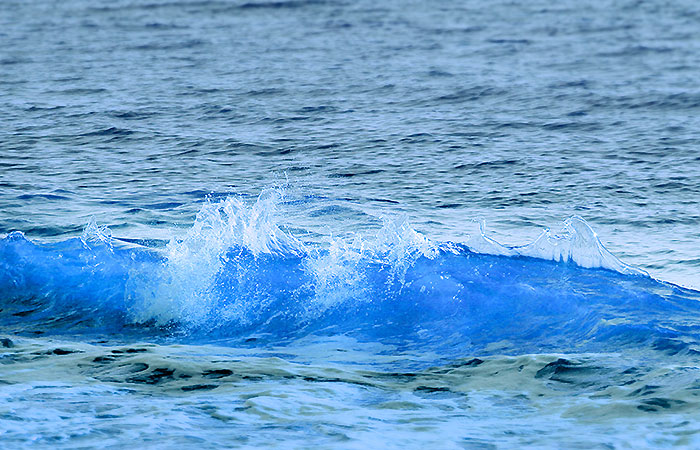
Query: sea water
[[349, 224]]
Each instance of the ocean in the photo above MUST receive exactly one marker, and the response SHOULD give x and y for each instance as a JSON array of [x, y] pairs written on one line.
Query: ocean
[[349, 224]]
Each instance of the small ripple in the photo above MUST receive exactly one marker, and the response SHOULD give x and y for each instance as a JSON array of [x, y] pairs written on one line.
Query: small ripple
[[509, 41], [111, 131], [43, 197], [291, 4], [192, 43]]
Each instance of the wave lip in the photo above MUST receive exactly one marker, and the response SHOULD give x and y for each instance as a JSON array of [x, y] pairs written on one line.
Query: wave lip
[[577, 243]]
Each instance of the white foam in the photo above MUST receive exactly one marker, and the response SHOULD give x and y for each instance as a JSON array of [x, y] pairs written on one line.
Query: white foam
[[184, 288], [337, 273]]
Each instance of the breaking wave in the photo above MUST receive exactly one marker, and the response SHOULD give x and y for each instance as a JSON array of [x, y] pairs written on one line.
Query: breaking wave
[[236, 274]]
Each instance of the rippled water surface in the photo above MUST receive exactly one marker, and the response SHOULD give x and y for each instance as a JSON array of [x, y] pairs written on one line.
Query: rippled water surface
[[258, 223]]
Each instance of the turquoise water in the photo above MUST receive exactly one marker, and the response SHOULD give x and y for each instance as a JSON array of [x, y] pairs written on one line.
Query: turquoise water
[[349, 224]]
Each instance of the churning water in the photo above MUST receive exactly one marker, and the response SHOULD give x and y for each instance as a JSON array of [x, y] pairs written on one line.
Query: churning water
[[325, 224]]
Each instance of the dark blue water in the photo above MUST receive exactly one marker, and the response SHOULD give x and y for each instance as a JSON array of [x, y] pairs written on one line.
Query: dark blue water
[[246, 223]]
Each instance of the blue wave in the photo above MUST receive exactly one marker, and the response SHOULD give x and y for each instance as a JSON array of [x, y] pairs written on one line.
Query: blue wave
[[237, 275]]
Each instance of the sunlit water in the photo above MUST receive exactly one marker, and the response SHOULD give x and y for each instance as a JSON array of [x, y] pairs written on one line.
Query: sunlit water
[[319, 223]]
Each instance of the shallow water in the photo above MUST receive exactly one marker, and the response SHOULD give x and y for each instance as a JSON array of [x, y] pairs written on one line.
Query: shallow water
[[210, 396], [259, 223]]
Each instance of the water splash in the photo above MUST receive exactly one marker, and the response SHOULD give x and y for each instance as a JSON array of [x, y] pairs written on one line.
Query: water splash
[[186, 287], [94, 233]]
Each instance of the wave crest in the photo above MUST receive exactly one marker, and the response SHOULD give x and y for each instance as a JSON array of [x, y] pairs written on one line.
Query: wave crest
[[576, 243]]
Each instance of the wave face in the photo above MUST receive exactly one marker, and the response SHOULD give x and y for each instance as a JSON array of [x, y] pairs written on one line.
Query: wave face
[[236, 274]]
